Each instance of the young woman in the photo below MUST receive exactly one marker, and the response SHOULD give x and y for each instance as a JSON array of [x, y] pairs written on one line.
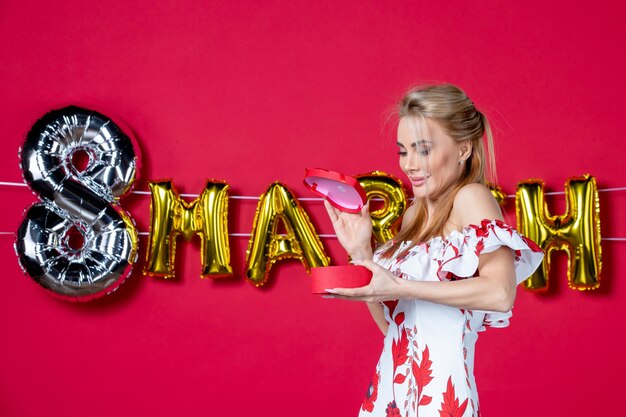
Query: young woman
[[451, 270]]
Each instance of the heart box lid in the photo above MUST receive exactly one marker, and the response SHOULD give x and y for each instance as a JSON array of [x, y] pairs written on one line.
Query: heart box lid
[[342, 191]]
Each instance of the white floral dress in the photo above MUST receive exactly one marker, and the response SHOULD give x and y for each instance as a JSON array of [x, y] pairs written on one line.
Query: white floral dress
[[426, 367]]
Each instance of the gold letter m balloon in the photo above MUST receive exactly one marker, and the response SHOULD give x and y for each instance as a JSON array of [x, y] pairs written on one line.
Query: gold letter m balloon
[[206, 216], [577, 232]]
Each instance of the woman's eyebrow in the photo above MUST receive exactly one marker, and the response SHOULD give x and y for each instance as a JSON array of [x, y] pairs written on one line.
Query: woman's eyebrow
[[419, 142]]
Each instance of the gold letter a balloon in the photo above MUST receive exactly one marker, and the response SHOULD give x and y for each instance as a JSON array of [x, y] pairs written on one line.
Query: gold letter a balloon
[[266, 246]]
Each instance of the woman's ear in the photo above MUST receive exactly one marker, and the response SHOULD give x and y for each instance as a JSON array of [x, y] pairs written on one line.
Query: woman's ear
[[465, 150]]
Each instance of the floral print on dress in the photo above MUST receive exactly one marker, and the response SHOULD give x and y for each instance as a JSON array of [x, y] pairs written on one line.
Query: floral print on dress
[[392, 410], [372, 394], [426, 368], [450, 406]]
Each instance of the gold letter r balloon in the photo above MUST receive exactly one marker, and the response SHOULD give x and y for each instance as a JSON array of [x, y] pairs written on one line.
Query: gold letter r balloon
[[390, 189]]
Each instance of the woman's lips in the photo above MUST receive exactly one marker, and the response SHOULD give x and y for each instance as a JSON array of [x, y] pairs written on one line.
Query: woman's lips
[[417, 181]]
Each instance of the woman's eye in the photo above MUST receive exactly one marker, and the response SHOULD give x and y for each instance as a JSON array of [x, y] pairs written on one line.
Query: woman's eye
[[424, 151], [402, 153]]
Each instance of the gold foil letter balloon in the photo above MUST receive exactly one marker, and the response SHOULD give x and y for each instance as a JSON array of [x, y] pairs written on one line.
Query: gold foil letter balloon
[[266, 246], [206, 216], [577, 232], [497, 193], [390, 189]]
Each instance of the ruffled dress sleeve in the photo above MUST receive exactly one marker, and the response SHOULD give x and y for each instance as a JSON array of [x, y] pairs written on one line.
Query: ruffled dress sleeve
[[460, 254], [456, 257]]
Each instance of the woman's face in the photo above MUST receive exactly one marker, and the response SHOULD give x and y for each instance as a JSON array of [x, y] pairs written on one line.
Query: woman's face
[[429, 157]]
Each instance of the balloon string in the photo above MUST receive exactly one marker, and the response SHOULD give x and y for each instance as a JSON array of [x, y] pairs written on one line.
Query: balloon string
[[13, 184], [563, 192], [614, 239], [245, 197], [235, 197]]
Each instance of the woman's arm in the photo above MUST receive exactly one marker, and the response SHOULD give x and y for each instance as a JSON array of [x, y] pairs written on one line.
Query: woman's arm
[[378, 314], [493, 289], [354, 232], [376, 309]]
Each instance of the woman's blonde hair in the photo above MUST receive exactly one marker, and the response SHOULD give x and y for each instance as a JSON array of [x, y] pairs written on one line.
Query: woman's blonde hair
[[450, 107]]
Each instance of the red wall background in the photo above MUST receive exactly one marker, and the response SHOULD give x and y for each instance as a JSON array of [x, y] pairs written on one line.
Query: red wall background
[[254, 92]]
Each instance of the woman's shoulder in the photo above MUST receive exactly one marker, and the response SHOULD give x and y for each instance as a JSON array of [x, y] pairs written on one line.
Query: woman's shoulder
[[473, 203]]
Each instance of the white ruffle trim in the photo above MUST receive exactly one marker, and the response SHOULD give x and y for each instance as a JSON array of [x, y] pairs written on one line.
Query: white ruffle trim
[[456, 257]]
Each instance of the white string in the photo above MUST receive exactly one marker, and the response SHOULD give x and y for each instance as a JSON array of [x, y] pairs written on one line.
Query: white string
[[13, 184], [239, 234], [612, 239], [563, 192], [139, 192], [245, 197]]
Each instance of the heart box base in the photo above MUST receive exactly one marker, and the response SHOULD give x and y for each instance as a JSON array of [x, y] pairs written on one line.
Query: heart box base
[[343, 276]]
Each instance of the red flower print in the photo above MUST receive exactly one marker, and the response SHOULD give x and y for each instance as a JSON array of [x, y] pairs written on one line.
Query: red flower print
[[440, 272], [371, 394], [532, 245], [483, 229], [402, 257], [450, 406], [425, 400], [399, 318], [400, 350], [393, 410], [480, 246], [391, 306], [504, 226], [480, 232], [422, 370]]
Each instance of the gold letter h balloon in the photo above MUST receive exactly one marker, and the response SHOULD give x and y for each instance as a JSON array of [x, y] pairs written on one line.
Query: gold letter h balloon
[[577, 232]]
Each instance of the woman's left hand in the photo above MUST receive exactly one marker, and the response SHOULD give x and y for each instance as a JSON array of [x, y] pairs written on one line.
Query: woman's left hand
[[383, 286]]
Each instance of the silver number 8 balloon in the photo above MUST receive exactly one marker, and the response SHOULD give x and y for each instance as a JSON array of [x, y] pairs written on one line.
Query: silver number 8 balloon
[[77, 202]]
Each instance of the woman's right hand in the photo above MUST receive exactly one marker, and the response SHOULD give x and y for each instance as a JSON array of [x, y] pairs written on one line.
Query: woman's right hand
[[354, 231]]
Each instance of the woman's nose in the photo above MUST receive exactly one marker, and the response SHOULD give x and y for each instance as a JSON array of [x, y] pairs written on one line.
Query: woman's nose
[[411, 162]]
